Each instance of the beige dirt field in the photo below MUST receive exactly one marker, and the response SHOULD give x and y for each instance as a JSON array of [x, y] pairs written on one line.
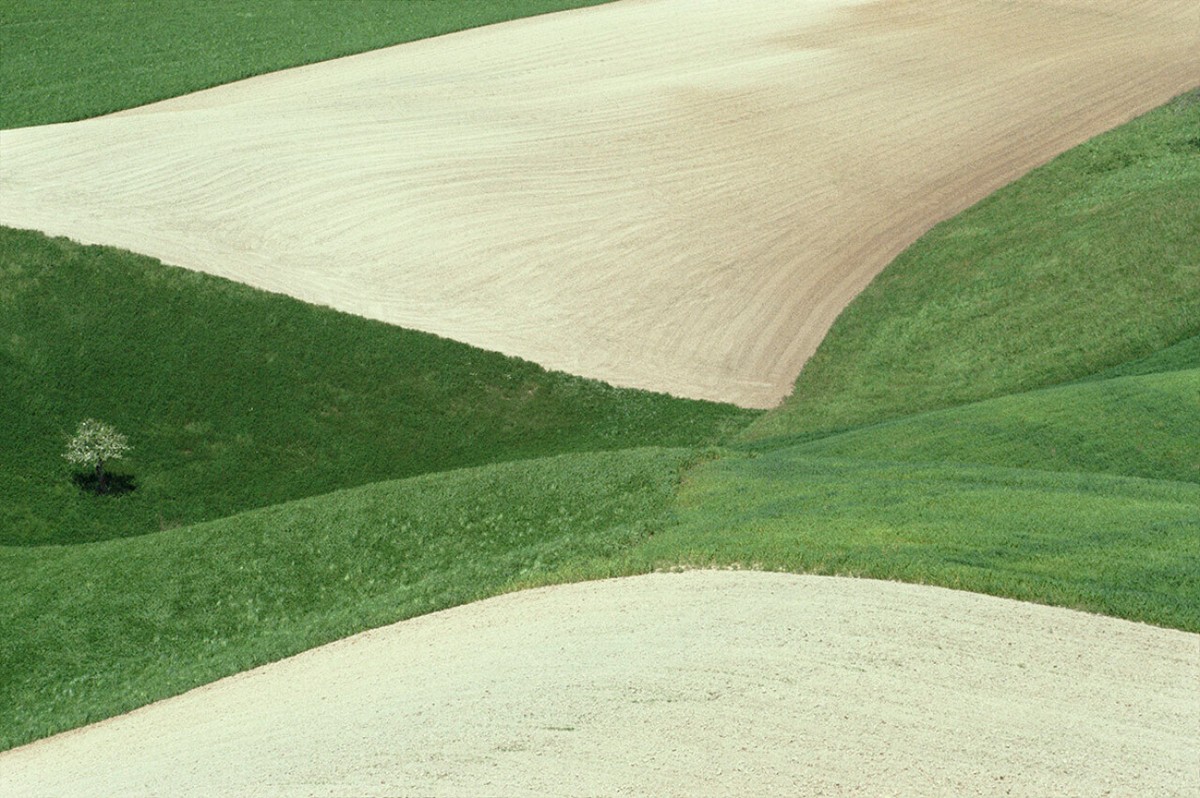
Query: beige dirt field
[[730, 683], [670, 194], [678, 195]]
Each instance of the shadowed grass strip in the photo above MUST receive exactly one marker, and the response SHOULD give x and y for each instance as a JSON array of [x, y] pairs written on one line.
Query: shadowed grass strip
[[233, 398], [1142, 426]]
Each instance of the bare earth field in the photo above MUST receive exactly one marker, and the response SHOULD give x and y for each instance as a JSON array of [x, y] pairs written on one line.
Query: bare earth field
[[700, 683], [671, 194]]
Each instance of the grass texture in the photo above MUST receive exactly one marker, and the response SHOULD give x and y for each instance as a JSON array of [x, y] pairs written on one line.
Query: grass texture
[[234, 398], [93, 630], [1086, 263], [1028, 370], [1114, 545], [70, 59], [1143, 426]]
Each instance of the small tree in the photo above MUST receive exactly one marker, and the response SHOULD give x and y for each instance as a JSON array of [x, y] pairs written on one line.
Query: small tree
[[94, 444]]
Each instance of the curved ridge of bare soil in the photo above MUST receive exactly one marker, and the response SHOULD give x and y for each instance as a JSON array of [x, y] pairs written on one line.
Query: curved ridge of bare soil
[[678, 195], [695, 683]]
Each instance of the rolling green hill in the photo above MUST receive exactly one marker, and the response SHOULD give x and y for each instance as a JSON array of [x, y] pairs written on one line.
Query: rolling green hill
[[94, 630], [234, 398], [1009, 408]]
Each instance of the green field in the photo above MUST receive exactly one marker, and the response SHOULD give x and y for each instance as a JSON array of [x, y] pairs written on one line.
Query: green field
[[234, 398], [1010, 408]]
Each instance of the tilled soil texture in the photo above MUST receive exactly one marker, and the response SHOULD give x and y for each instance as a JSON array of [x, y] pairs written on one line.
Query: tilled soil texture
[[678, 195], [698, 683]]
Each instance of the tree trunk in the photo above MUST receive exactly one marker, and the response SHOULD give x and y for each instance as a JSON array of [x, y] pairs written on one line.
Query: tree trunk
[[101, 477]]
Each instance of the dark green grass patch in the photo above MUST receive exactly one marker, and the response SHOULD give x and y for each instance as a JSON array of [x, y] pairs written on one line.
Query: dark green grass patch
[[62, 60], [1086, 263], [1114, 545], [1145, 426], [93, 630], [234, 398]]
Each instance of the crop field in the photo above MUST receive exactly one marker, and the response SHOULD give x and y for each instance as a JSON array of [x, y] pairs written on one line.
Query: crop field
[[72, 60], [1086, 264], [596, 191], [994, 391]]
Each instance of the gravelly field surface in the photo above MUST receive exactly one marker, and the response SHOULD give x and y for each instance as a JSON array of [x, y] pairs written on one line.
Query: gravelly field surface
[[700, 683]]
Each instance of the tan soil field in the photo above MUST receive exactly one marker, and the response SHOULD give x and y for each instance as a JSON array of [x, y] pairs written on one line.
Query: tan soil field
[[700, 683], [671, 194], [678, 195]]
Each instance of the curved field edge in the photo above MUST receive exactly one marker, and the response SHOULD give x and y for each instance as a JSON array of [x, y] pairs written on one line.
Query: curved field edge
[[235, 398], [638, 685], [1112, 545], [93, 630], [65, 61], [1083, 264]]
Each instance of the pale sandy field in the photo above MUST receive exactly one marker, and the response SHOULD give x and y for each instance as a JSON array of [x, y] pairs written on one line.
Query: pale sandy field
[[671, 194], [694, 684]]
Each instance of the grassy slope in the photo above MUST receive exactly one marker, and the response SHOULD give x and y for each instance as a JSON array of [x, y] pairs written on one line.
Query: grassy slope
[[218, 597], [1029, 496], [88, 631], [234, 398], [1133, 426], [92, 630], [1120, 546], [1085, 263], [71, 59]]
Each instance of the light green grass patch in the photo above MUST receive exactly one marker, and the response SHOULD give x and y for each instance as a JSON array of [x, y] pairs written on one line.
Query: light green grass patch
[[1114, 545], [93, 630], [1144, 426], [1089, 262]]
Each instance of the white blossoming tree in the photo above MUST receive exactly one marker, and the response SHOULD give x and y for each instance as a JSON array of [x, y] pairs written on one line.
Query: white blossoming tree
[[95, 443]]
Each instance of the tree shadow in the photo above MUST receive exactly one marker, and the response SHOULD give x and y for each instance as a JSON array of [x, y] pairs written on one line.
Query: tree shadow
[[116, 484]]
